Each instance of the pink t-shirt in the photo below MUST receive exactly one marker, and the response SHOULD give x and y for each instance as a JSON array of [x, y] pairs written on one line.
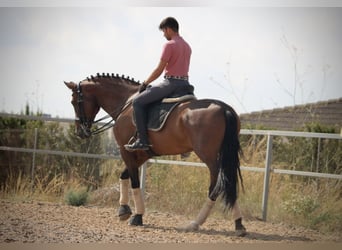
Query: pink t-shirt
[[177, 54]]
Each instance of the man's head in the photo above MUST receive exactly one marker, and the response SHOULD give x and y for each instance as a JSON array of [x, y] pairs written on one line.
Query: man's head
[[169, 26], [169, 22]]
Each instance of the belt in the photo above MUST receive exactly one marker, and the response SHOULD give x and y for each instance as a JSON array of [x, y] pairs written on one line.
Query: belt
[[184, 78]]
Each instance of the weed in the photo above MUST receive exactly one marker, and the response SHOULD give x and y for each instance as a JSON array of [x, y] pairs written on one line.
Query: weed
[[76, 197]]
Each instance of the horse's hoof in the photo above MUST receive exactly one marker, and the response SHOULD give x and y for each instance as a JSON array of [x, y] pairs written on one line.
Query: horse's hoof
[[240, 231], [191, 227], [136, 220], [124, 212]]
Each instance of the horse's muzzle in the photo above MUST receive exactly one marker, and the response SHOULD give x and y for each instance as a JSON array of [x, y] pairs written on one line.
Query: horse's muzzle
[[83, 132]]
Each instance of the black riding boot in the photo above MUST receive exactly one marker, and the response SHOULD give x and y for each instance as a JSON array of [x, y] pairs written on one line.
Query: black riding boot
[[142, 142]]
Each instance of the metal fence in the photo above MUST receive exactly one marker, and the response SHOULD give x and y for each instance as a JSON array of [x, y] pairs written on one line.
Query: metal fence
[[267, 170]]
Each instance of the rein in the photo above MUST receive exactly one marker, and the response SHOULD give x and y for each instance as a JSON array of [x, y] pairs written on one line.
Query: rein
[[85, 123]]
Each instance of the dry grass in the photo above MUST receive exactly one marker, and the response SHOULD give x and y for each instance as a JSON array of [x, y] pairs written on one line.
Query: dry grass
[[310, 202]]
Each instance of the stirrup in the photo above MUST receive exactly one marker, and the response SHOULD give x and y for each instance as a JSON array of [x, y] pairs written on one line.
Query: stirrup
[[137, 145]]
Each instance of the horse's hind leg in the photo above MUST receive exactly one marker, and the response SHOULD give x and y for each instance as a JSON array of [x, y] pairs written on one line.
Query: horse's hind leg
[[207, 207], [205, 211], [201, 217], [240, 230]]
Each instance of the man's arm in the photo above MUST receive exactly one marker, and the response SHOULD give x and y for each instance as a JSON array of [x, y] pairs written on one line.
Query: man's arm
[[156, 73]]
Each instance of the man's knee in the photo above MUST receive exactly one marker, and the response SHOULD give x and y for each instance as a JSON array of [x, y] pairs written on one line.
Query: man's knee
[[137, 103], [140, 101]]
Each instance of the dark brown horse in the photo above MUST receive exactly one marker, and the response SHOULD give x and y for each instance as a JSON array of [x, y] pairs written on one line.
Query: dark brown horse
[[210, 128]]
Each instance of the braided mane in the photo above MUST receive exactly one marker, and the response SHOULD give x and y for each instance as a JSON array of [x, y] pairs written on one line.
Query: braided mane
[[113, 76]]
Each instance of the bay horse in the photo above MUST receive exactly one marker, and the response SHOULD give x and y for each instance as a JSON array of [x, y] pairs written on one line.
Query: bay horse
[[208, 127]]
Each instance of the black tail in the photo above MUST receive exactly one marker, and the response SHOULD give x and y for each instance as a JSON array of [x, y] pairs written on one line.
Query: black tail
[[229, 163]]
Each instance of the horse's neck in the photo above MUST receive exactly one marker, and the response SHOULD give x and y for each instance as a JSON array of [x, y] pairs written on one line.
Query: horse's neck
[[114, 98]]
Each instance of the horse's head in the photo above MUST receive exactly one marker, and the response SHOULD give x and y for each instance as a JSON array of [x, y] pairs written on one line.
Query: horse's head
[[85, 106]]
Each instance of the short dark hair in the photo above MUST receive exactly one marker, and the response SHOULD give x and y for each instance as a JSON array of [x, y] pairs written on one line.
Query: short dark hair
[[169, 22]]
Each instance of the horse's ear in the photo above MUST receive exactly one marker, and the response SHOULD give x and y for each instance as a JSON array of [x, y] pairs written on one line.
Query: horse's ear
[[70, 85]]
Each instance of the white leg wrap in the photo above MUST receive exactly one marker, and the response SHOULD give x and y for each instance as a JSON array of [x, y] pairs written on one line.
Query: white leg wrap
[[236, 212], [205, 211], [138, 201], [201, 217], [124, 198]]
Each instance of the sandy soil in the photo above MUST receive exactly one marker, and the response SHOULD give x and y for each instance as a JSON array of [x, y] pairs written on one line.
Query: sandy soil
[[42, 222]]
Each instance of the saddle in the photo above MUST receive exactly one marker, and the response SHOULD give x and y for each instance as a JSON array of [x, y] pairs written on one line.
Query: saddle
[[158, 112]]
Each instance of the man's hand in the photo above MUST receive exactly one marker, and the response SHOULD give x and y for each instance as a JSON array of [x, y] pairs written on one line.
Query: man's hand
[[142, 87]]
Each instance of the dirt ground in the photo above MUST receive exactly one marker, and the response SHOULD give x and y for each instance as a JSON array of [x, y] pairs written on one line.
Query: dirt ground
[[43, 222]]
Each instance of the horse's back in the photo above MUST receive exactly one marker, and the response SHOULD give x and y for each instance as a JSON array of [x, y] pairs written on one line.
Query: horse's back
[[213, 108], [206, 109], [193, 124]]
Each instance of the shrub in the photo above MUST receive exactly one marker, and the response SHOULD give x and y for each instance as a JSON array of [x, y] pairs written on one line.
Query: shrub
[[76, 197]]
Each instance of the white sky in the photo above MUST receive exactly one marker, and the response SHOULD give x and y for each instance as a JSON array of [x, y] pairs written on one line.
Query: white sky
[[241, 55]]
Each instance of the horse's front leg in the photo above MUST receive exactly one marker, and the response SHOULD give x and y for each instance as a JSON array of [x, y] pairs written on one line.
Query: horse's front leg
[[136, 219], [124, 210]]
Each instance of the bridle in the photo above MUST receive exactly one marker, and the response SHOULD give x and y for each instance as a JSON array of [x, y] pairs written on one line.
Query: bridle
[[85, 123]]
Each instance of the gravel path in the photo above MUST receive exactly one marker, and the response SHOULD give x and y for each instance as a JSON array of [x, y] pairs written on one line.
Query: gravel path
[[42, 222]]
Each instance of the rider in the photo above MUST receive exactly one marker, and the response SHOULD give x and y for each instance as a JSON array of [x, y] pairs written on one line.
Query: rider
[[175, 60]]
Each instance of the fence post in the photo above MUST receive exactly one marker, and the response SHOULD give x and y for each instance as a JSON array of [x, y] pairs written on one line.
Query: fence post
[[268, 163], [142, 178], [34, 155], [318, 154]]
